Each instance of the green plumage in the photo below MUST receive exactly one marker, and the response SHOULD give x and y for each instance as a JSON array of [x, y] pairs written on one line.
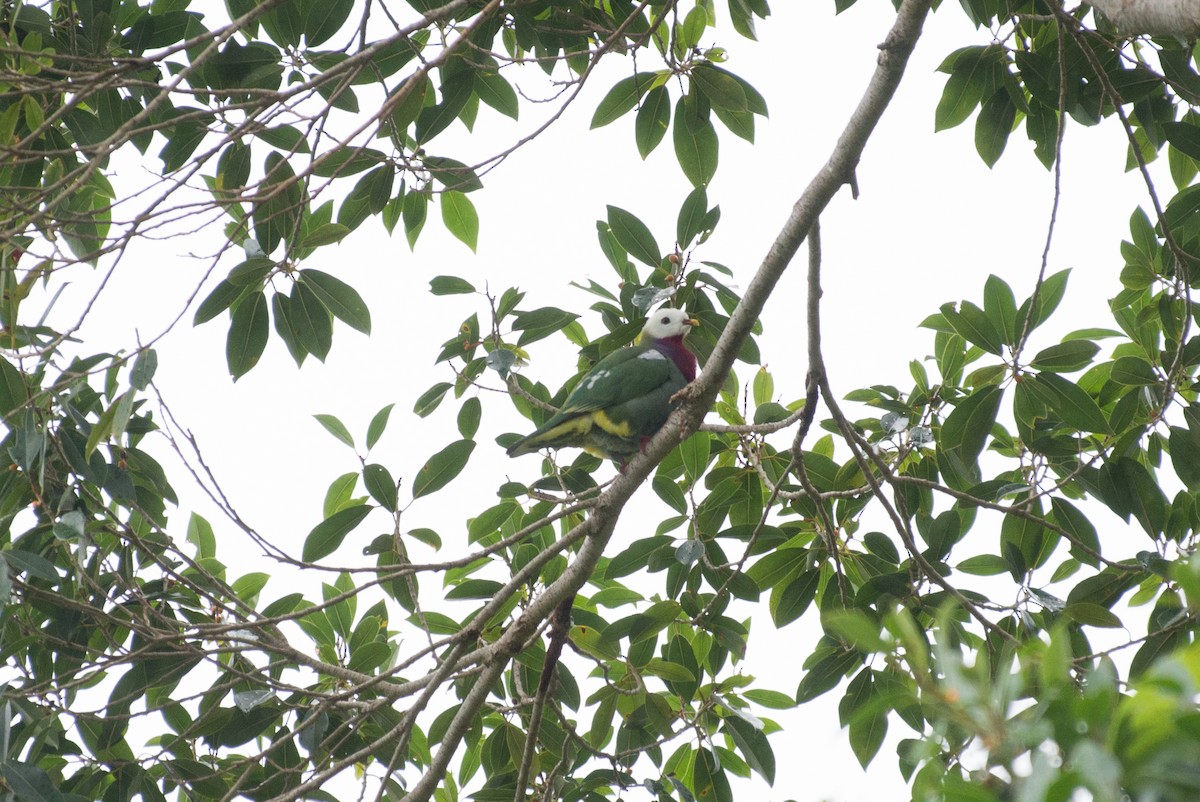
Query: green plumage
[[624, 399]]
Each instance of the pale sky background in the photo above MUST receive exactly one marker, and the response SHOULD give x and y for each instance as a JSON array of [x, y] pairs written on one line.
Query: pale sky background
[[931, 223]]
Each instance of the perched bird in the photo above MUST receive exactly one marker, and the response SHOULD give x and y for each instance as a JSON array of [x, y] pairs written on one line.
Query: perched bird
[[626, 397]]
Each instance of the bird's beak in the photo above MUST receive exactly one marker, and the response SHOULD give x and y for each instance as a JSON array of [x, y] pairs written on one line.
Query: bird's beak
[[691, 321]]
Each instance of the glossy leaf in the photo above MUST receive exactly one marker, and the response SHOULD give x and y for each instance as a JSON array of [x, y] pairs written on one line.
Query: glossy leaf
[[653, 120], [963, 435], [460, 217], [327, 536], [634, 236], [696, 143], [442, 468], [621, 99], [248, 333], [336, 428], [339, 298]]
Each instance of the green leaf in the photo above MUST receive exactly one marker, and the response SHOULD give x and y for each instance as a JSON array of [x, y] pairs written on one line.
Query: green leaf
[[310, 320], [326, 536], [539, 323], [778, 566], [984, 565], [867, 734], [790, 600], [29, 783], [1133, 371], [768, 698], [881, 546], [696, 454], [497, 92], [281, 306], [635, 556], [407, 110], [721, 89], [248, 333], [336, 428], [825, 674], [1092, 615], [994, 124], [973, 325], [322, 20], [460, 217], [440, 469], [621, 98], [339, 298], [753, 745], [339, 494], [382, 487], [13, 391], [1049, 296], [963, 435], [430, 399], [669, 671], [277, 207], [200, 534], [854, 627], [696, 143], [1185, 456], [691, 217], [456, 90], [377, 425], [217, 301], [1001, 308], [143, 369], [709, 782], [634, 236], [964, 89], [450, 285], [452, 174], [324, 234], [653, 120], [469, 416], [1066, 357], [251, 272], [1069, 401], [1081, 530]]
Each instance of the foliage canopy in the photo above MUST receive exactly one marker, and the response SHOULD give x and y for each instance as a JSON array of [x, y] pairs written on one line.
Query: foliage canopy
[[139, 663]]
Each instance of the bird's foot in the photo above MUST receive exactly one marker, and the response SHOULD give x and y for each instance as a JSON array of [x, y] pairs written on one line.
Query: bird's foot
[[684, 395]]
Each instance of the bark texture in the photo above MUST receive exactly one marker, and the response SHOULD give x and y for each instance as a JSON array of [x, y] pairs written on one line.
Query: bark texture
[[1156, 17]]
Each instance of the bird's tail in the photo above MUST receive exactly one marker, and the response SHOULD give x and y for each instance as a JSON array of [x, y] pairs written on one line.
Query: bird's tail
[[553, 434], [525, 445]]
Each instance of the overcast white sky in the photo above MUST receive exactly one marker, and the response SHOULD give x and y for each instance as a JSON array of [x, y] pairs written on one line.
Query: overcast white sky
[[931, 223]]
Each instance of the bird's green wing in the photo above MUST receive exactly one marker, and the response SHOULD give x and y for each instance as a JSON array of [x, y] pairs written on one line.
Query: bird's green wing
[[621, 377]]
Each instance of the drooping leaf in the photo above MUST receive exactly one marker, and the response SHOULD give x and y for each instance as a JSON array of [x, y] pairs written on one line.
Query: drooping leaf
[[460, 217], [653, 120], [248, 333], [964, 434], [696, 142], [339, 298]]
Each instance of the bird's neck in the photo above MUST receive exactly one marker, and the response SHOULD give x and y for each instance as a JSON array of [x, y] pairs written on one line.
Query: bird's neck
[[674, 349]]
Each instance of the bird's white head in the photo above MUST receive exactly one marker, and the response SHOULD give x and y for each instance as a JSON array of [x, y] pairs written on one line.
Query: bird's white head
[[665, 322]]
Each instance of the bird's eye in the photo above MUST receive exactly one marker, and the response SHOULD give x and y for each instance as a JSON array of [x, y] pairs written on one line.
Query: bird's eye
[[666, 320]]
